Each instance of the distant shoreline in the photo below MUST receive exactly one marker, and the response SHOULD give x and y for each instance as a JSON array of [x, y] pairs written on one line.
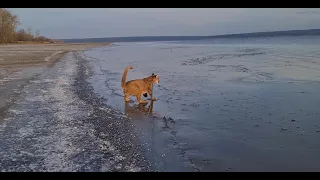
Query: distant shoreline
[[309, 32]]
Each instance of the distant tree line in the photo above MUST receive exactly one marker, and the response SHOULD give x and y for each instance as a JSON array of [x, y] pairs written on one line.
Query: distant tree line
[[9, 33]]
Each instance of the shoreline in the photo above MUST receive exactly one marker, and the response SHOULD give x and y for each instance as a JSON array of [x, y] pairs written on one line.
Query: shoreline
[[20, 63], [123, 135], [58, 123]]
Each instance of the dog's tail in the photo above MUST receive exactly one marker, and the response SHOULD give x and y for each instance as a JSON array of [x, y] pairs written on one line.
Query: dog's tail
[[124, 76]]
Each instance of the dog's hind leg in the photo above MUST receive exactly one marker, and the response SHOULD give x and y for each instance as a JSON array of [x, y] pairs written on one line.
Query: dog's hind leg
[[127, 98]]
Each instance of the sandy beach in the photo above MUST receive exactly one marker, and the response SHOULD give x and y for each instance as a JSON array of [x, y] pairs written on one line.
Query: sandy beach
[[20, 62], [14, 57], [51, 120]]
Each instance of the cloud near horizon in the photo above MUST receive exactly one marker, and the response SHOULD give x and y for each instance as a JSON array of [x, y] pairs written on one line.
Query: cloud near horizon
[[118, 22]]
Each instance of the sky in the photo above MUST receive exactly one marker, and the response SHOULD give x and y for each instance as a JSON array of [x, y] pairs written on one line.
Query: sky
[[68, 23]]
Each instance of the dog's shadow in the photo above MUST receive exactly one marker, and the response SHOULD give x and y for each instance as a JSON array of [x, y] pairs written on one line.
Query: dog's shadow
[[138, 111]]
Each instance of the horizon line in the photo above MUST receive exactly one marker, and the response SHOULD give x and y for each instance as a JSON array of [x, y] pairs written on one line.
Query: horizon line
[[204, 36]]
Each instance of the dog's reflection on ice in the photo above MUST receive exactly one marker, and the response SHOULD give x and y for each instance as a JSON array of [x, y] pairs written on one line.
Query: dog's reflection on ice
[[139, 110]]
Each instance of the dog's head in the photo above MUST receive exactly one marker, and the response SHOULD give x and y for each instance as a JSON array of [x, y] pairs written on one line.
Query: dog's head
[[155, 78]]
